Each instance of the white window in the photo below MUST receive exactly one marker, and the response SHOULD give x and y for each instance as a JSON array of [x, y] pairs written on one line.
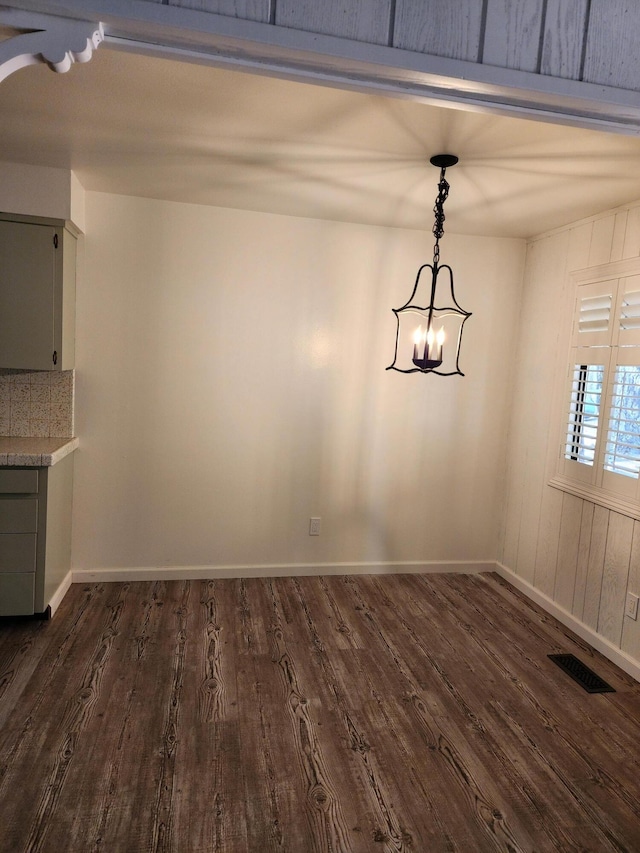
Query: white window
[[600, 450]]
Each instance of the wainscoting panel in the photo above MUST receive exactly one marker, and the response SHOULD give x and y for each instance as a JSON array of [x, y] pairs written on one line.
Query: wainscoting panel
[[586, 557]]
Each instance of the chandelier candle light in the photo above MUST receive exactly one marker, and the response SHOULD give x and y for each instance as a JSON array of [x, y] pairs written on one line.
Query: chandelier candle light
[[436, 339]]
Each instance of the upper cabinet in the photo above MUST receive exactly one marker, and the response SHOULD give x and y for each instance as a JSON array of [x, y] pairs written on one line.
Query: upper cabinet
[[37, 293]]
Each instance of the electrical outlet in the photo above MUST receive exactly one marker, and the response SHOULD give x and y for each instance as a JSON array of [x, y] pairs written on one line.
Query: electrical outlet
[[314, 526], [631, 608]]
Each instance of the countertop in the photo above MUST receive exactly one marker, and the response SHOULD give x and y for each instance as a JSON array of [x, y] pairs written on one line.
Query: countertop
[[34, 452]]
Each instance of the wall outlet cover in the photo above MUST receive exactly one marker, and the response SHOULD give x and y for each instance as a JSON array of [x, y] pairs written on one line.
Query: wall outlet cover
[[631, 608]]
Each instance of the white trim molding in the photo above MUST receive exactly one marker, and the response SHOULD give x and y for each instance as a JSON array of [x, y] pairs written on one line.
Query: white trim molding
[[59, 594], [59, 44], [165, 573], [602, 645]]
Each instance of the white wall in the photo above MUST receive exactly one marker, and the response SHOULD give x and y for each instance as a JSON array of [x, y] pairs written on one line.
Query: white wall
[[578, 557], [41, 191], [231, 383]]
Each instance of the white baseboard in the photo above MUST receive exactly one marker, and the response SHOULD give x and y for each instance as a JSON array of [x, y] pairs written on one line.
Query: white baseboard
[[147, 573], [59, 594], [604, 646]]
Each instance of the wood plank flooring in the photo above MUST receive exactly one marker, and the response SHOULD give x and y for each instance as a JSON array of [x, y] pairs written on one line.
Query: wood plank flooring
[[310, 715]]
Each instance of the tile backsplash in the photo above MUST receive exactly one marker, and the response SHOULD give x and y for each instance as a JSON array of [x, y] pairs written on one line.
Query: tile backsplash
[[37, 403]]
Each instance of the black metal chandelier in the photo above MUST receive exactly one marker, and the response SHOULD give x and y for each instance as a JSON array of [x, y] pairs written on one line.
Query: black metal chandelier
[[428, 338]]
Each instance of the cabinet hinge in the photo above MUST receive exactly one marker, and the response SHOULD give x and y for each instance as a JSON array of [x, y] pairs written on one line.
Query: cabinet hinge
[[55, 241]]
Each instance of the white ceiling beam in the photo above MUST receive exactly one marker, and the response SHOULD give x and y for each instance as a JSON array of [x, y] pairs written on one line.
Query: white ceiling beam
[[207, 38]]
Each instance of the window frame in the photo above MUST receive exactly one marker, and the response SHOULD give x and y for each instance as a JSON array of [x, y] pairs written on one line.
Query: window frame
[[608, 348]]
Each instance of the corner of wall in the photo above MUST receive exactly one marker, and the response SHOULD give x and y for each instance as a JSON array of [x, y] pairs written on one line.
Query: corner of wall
[[77, 202], [620, 658]]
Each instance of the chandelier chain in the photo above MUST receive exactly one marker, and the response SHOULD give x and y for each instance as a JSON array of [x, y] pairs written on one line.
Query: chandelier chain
[[438, 209]]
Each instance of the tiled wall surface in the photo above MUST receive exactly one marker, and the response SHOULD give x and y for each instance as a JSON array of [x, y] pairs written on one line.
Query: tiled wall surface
[[36, 403]]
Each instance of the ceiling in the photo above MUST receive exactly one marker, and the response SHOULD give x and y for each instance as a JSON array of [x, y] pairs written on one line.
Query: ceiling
[[159, 128]]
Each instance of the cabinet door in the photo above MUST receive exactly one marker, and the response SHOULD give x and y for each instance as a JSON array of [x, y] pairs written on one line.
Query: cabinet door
[[17, 594], [27, 295], [17, 552], [18, 515]]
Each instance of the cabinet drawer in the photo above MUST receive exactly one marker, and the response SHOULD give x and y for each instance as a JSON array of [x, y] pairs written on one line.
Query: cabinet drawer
[[17, 552], [17, 594], [18, 515], [18, 481]]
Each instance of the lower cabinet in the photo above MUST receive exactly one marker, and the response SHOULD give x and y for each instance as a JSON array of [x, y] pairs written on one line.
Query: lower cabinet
[[35, 535]]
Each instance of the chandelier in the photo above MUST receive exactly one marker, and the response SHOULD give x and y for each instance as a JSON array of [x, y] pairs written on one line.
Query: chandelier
[[428, 336]]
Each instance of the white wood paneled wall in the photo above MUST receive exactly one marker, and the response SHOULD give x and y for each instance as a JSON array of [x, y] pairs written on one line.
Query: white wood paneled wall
[[582, 556]]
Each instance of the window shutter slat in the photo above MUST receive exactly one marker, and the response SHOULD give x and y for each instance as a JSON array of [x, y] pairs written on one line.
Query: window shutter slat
[[594, 313], [630, 311]]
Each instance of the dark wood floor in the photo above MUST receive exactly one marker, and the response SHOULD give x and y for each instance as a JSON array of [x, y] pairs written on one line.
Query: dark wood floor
[[395, 713]]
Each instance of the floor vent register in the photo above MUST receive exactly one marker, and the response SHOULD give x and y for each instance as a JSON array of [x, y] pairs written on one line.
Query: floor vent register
[[585, 677]]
